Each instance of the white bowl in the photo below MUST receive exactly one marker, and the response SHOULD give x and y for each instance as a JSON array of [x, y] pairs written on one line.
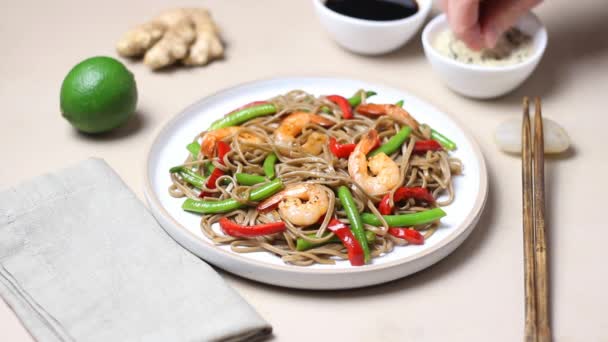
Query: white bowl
[[484, 81], [371, 37]]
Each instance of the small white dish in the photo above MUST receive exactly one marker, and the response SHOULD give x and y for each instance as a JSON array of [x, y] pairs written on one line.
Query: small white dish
[[168, 149], [371, 37], [484, 82]]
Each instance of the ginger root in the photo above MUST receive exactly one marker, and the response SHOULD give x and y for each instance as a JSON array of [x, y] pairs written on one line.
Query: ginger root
[[208, 44], [188, 35]]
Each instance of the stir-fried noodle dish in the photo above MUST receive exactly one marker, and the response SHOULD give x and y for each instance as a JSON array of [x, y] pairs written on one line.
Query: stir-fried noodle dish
[[318, 179]]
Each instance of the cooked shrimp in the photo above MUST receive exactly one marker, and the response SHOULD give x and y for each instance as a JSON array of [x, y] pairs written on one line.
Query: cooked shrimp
[[391, 110], [293, 125], [210, 139], [385, 171], [291, 205], [314, 143]]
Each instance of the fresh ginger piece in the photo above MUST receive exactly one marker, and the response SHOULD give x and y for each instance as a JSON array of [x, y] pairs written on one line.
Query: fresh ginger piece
[[172, 47], [176, 41], [138, 40], [182, 34], [207, 45]]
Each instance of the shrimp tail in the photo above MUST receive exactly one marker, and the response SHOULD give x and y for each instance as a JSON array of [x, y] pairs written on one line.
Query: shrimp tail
[[369, 141], [208, 145], [321, 121], [273, 201], [372, 109], [394, 111], [210, 139]]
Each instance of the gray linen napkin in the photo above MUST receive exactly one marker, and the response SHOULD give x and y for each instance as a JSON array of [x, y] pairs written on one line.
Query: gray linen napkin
[[81, 259]]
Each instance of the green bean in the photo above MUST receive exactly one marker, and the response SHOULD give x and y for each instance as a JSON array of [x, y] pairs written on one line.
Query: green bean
[[268, 166], [394, 143], [355, 100], [326, 110], [399, 103], [230, 204], [349, 206], [247, 179], [302, 245], [266, 190], [244, 115], [194, 148], [189, 176], [442, 139], [405, 220], [209, 167], [211, 207]]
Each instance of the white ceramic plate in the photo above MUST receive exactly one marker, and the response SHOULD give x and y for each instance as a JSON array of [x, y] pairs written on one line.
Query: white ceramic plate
[[168, 149]]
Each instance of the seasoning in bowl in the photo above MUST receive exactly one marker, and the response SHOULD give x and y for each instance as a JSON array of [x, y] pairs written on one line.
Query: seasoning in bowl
[[513, 47], [374, 9]]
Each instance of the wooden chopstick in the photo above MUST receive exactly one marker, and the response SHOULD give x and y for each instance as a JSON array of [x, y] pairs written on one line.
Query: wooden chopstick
[[528, 223], [542, 298], [535, 258]]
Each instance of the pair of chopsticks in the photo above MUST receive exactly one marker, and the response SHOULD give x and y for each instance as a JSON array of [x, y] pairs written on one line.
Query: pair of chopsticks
[[535, 256]]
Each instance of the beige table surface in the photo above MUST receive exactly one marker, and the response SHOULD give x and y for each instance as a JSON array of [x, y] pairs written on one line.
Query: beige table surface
[[475, 294]]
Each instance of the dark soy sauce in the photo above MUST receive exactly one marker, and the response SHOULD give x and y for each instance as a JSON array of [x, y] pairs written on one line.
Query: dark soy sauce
[[374, 9]]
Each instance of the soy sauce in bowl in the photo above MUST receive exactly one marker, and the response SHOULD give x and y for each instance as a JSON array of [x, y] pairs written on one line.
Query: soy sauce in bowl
[[378, 10], [372, 27]]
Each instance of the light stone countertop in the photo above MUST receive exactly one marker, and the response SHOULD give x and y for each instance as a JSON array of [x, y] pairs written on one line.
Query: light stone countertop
[[476, 293]]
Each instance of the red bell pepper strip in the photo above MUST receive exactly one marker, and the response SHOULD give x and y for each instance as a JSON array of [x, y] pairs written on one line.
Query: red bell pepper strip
[[404, 193], [427, 145], [234, 229], [343, 232], [222, 149], [342, 102], [340, 150], [408, 234]]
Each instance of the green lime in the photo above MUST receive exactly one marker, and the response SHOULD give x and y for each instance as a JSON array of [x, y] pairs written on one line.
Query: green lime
[[98, 94]]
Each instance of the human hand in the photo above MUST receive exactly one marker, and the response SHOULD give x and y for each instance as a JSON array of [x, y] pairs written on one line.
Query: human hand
[[480, 23]]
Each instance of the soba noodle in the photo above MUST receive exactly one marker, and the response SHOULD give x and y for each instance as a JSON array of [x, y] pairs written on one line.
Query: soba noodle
[[432, 170]]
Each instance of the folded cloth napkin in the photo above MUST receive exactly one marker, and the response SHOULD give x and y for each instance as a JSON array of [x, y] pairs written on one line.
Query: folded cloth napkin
[[81, 259]]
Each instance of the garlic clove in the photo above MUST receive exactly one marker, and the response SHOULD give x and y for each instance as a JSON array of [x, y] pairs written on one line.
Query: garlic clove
[[508, 136]]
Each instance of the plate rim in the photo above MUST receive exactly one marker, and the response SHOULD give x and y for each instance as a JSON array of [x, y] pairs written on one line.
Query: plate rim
[[468, 223]]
